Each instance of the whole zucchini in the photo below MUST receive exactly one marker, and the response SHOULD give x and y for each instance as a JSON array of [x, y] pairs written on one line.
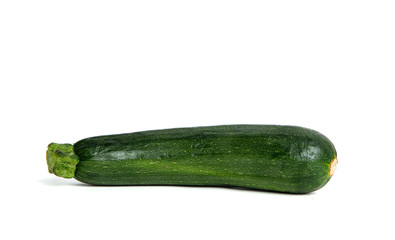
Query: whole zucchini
[[266, 157]]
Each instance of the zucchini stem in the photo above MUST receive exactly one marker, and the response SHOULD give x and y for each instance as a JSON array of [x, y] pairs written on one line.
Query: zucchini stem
[[61, 160]]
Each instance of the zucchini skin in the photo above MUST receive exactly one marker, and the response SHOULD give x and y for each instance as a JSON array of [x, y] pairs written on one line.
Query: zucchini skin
[[265, 157]]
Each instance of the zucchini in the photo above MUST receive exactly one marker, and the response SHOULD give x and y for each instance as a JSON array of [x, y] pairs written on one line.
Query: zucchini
[[265, 157]]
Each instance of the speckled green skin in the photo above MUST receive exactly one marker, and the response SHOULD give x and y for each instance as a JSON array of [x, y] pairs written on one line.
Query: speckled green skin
[[267, 157]]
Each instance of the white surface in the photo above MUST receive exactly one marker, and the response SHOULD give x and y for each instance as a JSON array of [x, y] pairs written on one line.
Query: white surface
[[75, 69]]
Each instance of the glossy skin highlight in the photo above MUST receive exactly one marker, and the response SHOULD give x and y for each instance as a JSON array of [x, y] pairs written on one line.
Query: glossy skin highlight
[[265, 157]]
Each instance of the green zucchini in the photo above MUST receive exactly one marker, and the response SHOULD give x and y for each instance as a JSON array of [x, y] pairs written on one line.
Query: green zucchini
[[265, 157]]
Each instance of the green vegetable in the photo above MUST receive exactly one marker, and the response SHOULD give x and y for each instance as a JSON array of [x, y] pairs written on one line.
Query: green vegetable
[[266, 157]]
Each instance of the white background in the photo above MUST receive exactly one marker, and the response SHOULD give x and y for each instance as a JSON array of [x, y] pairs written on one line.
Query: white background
[[76, 69]]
